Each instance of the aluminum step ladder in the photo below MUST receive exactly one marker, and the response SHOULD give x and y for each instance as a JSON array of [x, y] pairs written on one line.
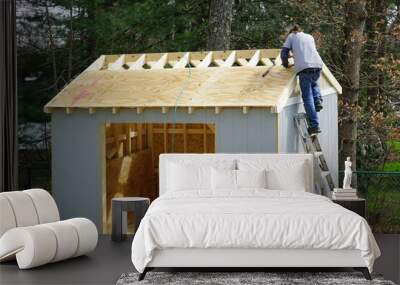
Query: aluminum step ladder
[[322, 177]]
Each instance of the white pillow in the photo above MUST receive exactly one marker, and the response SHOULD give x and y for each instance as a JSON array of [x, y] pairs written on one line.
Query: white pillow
[[188, 177], [282, 174], [251, 178], [223, 179]]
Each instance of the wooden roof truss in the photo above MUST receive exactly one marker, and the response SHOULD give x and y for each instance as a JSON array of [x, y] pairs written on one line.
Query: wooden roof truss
[[185, 60]]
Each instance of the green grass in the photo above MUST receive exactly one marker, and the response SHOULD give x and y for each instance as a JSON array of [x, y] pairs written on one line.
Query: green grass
[[384, 210], [392, 166], [395, 145]]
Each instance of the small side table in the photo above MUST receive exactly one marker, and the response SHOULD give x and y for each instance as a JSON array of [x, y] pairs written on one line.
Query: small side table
[[120, 206], [357, 205]]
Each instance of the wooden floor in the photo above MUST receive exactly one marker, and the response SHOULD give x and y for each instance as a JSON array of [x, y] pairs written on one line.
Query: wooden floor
[[110, 260]]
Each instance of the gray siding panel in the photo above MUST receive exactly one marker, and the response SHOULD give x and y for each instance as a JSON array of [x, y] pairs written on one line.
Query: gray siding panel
[[76, 166], [261, 132], [78, 147], [290, 141]]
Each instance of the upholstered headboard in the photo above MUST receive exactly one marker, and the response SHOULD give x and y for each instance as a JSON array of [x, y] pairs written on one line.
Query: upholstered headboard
[[211, 159]]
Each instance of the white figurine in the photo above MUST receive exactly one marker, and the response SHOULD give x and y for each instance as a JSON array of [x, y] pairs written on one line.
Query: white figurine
[[347, 174]]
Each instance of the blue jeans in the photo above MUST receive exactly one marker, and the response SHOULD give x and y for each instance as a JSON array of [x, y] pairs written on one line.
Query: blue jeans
[[310, 93]]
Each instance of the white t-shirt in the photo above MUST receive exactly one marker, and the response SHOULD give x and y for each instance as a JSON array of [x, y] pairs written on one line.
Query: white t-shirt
[[304, 51]]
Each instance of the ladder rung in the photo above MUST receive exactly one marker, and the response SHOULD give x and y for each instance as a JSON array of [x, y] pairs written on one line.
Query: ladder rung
[[300, 116], [323, 164], [329, 180], [316, 143]]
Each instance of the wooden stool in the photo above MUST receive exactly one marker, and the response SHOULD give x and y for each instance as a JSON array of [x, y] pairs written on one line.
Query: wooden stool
[[120, 206]]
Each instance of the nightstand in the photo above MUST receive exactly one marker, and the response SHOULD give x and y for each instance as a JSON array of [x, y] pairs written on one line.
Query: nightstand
[[358, 205]]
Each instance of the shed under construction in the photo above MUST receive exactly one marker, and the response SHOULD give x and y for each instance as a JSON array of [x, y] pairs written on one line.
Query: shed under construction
[[112, 121]]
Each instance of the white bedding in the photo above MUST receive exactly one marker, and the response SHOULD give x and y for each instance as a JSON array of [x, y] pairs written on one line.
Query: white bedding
[[251, 218]]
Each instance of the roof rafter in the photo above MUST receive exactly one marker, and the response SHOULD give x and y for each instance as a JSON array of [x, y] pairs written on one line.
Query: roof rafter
[[255, 59], [138, 64], [117, 65], [161, 62], [183, 61], [206, 61], [230, 60]]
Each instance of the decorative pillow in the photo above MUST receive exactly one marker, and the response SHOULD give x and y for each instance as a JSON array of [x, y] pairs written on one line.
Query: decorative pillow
[[283, 174], [223, 179], [251, 178], [188, 177]]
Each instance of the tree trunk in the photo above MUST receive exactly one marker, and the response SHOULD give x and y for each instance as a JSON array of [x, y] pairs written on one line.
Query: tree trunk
[[219, 24], [71, 40], [52, 47], [91, 33], [355, 15], [375, 27]]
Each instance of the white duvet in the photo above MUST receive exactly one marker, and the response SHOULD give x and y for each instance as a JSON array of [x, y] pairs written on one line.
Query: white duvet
[[250, 219]]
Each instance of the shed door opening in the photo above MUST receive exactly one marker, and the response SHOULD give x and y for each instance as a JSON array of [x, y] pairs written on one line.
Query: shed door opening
[[132, 151]]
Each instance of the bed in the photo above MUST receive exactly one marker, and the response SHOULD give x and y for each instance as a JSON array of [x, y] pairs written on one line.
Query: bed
[[247, 210]]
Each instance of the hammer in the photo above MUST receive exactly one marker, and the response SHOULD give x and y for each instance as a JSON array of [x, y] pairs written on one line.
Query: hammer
[[269, 69]]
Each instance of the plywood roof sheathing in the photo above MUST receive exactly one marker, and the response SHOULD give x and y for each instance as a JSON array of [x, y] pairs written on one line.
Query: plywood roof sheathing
[[208, 87], [286, 92]]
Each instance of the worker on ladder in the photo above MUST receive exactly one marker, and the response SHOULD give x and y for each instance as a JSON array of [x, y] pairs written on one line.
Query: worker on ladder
[[308, 65]]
